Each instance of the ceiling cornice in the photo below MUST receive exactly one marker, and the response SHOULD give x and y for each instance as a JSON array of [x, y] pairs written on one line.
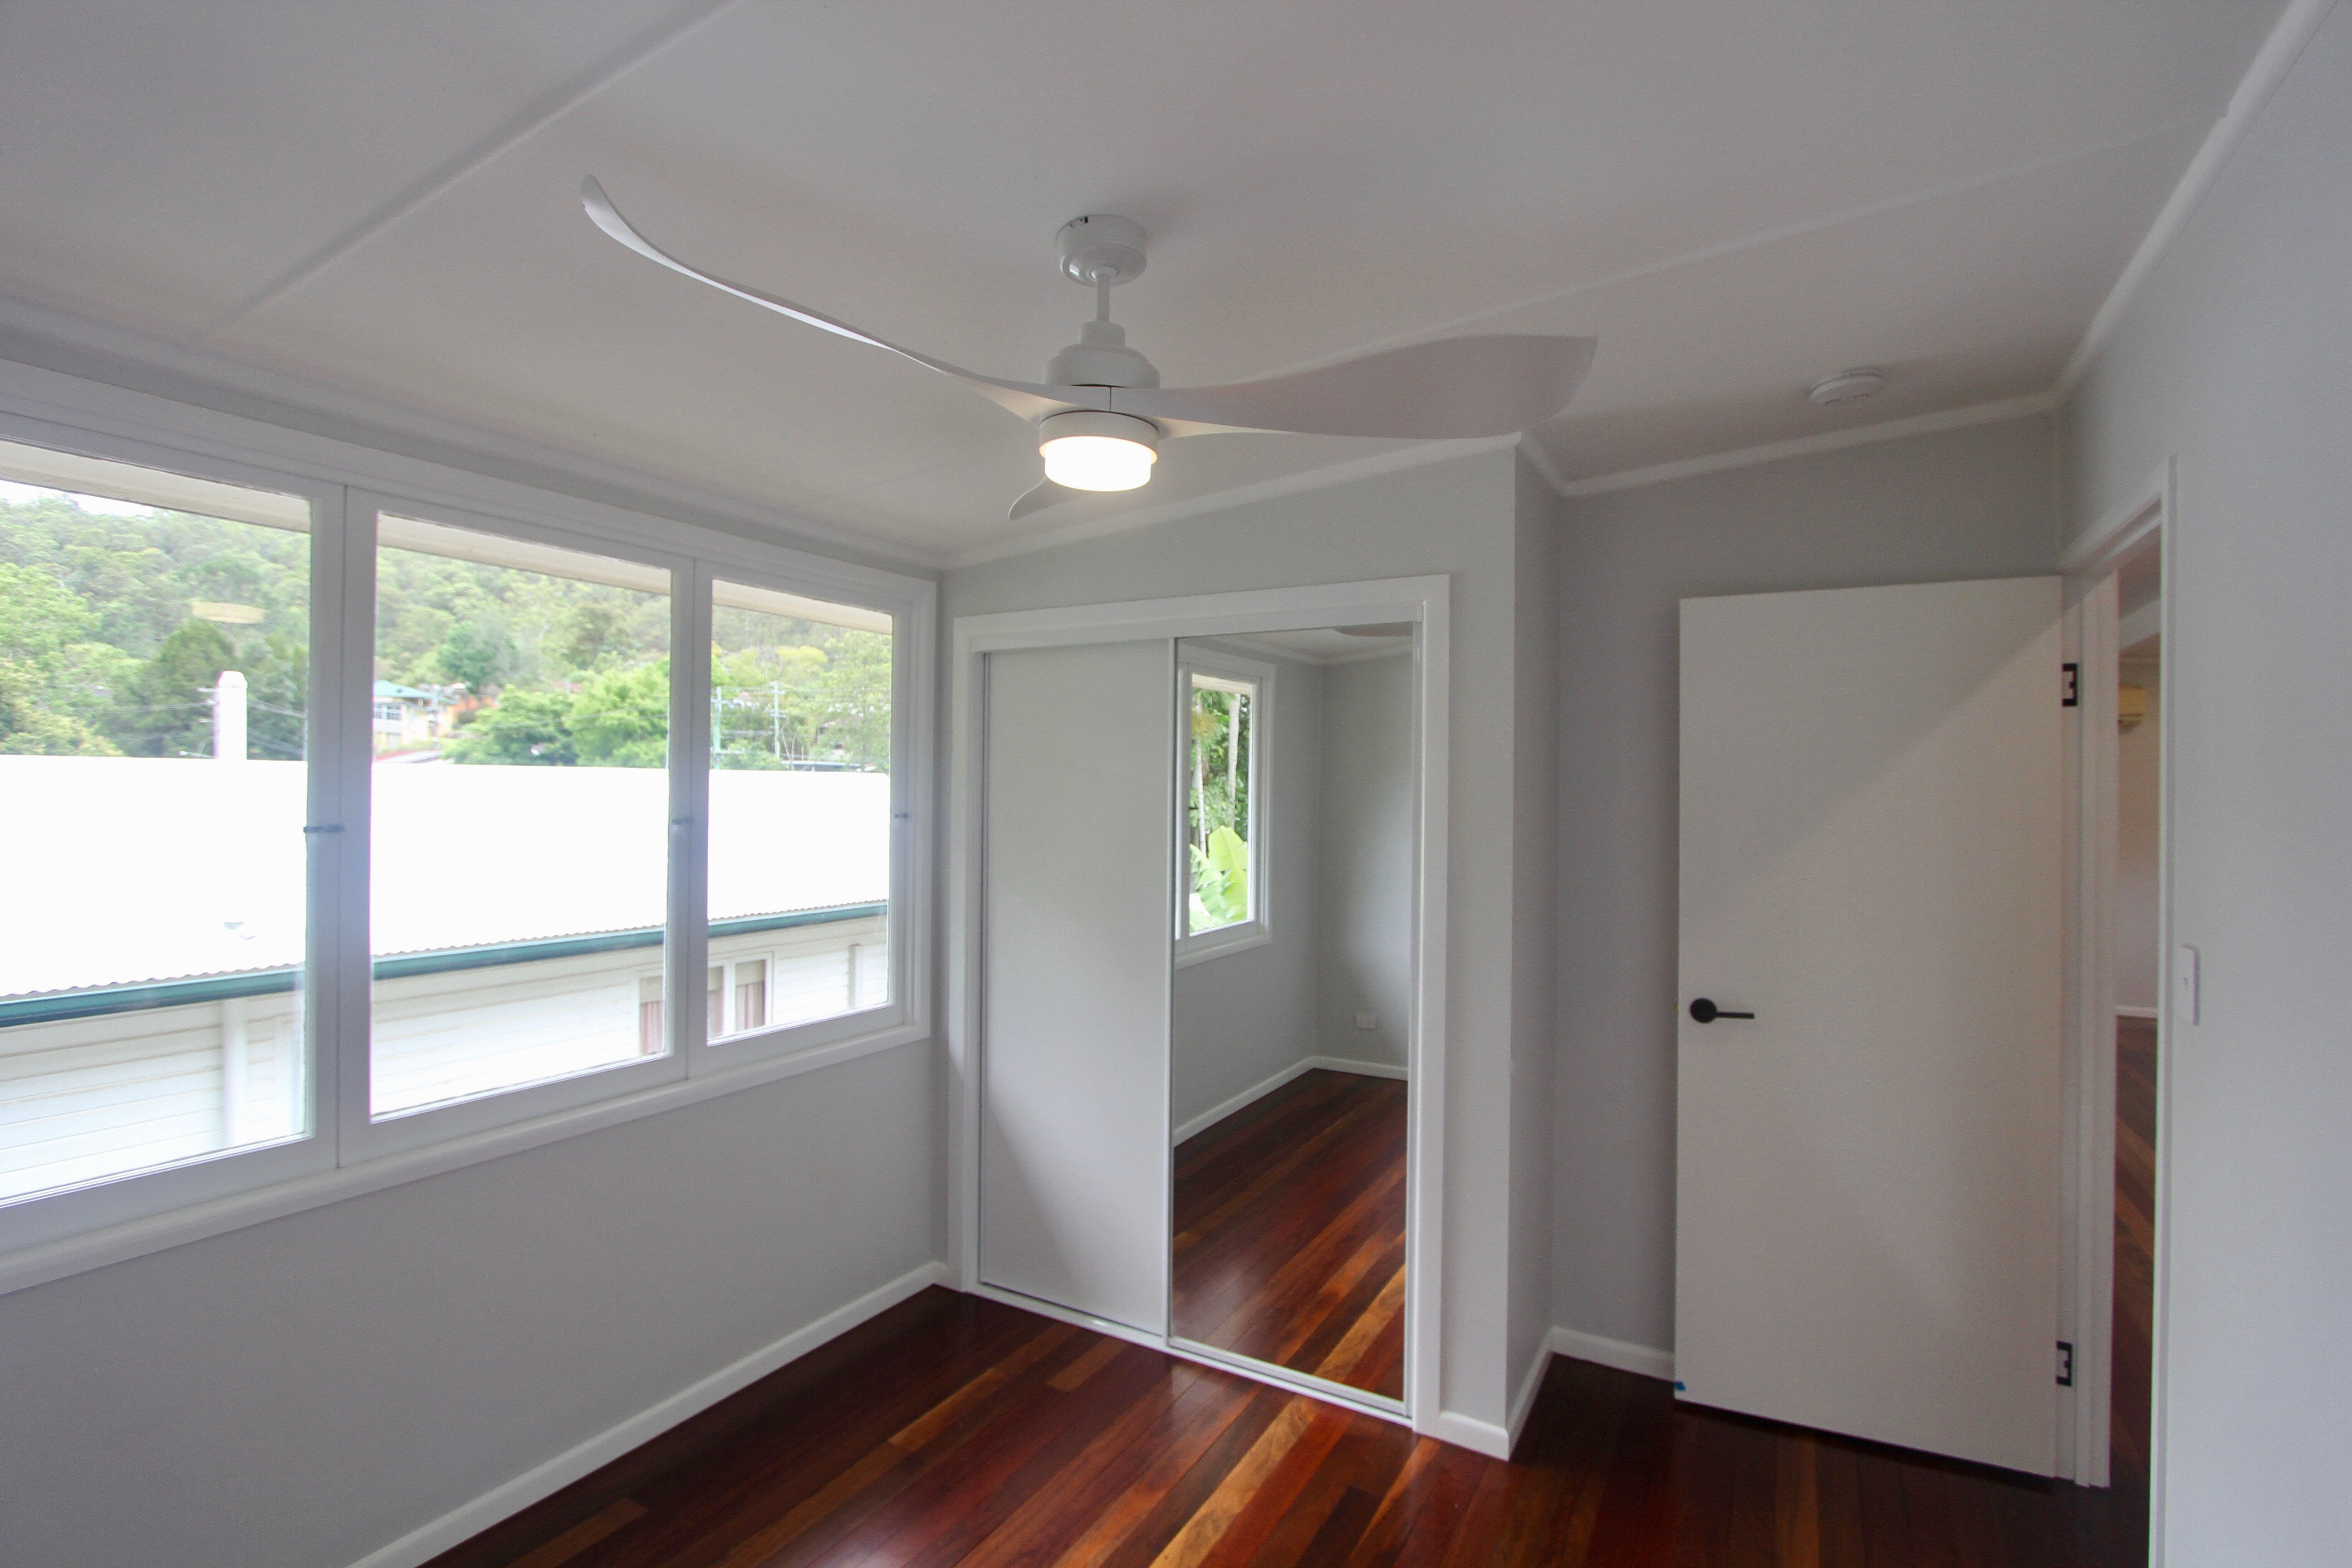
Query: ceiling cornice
[[1806, 446]]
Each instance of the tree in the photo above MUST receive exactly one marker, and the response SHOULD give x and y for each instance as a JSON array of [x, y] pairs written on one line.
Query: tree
[[1220, 881], [39, 616], [621, 719], [27, 728], [526, 729], [588, 631], [474, 655], [165, 709]]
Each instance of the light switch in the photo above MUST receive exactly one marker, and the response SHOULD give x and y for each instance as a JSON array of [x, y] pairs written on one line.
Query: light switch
[[2184, 984]]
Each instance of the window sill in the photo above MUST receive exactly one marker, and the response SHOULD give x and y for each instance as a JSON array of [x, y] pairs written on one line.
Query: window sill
[[1231, 939], [42, 1263]]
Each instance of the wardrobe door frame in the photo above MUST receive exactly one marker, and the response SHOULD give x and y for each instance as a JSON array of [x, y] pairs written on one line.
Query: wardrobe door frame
[[1422, 600]]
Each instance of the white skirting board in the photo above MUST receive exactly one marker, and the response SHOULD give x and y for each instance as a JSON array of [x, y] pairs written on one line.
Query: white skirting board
[[1578, 1345], [428, 1541], [1258, 1091], [1469, 1432]]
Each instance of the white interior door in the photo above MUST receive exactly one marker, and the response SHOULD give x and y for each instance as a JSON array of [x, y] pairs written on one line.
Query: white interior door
[[1867, 1225], [1075, 978]]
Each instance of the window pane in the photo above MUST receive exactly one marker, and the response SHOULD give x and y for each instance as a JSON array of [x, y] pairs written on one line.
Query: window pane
[[1217, 806], [520, 883], [153, 681], [799, 807]]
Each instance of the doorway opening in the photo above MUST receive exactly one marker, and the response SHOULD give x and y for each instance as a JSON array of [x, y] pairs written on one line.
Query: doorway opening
[[2120, 1006], [2138, 993]]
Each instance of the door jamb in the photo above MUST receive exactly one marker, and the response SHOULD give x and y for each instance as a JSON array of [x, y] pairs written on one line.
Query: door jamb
[[2088, 1282], [1425, 600]]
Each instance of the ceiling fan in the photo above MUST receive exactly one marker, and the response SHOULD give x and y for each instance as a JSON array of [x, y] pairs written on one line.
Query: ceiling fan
[[1101, 411]]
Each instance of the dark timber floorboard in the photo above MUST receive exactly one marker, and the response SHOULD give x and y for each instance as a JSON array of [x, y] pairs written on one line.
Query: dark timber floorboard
[[1290, 1231], [952, 1430]]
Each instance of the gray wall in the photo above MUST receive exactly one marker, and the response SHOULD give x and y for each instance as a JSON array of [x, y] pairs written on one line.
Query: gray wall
[[1966, 504], [1241, 1017], [1365, 958], [1535, 926], [1453, 516], [298, 1393], [2233, 360]]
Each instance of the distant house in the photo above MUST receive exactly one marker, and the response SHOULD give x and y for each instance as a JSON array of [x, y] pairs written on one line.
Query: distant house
[[408, 717]]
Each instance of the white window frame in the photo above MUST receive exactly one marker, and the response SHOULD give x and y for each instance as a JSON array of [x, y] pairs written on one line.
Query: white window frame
[[904, 1015], [1258, 928], [365, 1136], [54, 1235]]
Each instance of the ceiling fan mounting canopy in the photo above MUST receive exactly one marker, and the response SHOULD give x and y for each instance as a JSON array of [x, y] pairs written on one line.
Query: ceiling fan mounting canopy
[[1446, 388], [1101, 250]]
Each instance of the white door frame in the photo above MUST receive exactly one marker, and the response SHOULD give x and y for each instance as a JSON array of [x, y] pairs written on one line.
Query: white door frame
[[2088, 1283], [1423, 600]]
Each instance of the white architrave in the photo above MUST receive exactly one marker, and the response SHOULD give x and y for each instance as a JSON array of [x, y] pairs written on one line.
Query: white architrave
[[2087, 1297]]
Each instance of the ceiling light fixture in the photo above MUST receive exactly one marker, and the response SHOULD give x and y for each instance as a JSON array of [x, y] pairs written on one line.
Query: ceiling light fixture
[[1087, 450], [1847, 386]]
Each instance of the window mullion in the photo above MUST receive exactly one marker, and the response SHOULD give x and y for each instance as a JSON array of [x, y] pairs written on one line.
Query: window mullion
[[688, 938], [346, 763]]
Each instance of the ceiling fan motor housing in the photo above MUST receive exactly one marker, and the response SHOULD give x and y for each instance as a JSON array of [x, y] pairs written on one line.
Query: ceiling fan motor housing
[[1101, 358]]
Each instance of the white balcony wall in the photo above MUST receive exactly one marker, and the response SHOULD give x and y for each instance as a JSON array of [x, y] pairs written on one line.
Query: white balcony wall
[[84, 1098]]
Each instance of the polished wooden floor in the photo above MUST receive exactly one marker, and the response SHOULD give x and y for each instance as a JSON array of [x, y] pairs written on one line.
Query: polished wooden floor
[[2135, 1262], [952, 1430], [1290, 1231]]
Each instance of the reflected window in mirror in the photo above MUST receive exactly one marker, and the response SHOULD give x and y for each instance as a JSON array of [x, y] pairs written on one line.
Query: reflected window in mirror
[[1221, 803]]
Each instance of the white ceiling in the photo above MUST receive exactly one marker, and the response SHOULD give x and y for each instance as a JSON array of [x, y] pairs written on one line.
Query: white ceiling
[[1738, 198]]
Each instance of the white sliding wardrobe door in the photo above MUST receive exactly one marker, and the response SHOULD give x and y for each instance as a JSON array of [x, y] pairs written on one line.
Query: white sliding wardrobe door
[[1867, 1219], [1075, 947]]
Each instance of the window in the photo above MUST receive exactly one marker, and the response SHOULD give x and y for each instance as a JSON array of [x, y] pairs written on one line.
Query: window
[[1221, 808], [154, 662], [339, 827], [520, 818], [800, 809]]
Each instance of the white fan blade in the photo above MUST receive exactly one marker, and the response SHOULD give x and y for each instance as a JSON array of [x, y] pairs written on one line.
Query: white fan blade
[[1452, 387], [1038, 497], [1028, 399]]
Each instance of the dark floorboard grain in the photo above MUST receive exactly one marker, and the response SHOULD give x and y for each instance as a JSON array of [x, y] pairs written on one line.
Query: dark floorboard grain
[[952, 1432]]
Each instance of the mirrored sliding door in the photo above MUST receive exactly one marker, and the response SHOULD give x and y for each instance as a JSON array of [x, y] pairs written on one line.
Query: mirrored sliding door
[[1292, 1000]]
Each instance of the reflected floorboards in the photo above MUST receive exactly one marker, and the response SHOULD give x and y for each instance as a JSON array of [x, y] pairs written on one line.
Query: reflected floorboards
[[1290, 1231]]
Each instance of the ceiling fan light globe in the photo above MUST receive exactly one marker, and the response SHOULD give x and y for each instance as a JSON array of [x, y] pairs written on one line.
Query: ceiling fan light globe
[[1094, 449], [1097, 462]]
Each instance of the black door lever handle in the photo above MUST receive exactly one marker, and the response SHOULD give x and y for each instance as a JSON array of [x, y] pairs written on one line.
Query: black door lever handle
[[1706, 1012]]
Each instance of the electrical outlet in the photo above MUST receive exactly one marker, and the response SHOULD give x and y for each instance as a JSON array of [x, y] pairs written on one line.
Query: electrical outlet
[[1366, 1021]]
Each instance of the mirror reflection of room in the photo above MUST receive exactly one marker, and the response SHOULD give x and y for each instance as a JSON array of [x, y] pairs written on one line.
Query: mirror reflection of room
[[1293, 999]]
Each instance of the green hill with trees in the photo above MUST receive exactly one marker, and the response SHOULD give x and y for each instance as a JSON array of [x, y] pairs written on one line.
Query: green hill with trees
[[113, 630]]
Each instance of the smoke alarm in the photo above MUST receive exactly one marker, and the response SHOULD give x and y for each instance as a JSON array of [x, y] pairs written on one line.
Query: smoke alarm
[[1847, 386]]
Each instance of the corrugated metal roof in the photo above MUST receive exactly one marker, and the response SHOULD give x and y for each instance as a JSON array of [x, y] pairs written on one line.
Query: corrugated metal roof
[[127, 869]]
